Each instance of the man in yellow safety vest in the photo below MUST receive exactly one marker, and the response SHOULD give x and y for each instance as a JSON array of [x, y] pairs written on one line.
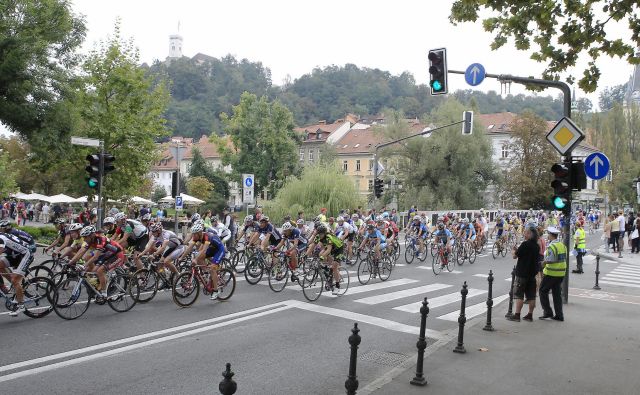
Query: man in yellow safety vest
[[554, 270], [579, 244]]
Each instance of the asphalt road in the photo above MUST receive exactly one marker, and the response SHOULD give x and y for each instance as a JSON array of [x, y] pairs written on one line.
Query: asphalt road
[[277, 343]]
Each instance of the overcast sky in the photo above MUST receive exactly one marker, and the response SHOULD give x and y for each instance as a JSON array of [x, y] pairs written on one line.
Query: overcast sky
[[292, 37]]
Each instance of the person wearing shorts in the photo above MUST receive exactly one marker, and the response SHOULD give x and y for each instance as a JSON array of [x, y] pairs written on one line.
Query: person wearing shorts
[[524, 285], [210, 249], [166, 244], [15, 258]]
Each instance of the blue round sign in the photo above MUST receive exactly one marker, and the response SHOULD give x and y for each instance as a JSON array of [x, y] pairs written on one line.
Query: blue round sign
[[596, 166], [474, 75], [248, 181]]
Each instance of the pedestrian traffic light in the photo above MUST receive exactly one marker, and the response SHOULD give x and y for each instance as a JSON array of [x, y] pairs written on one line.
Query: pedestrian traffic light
[[578, 176], [174, 184], [378, 187], [94, 170], [561, 185], [108, 162], [438, 71], [467, 126]]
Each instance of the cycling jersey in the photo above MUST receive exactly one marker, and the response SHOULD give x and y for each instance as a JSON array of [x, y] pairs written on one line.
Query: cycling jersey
[[296, 235], [108, 250], [443, 235], [375, 235], [17, 253], [222, 231], [24, 236], [173, 239], [345, 227], [136, 229], [330, 240], [469, 230], [214, 247], [271, 232]]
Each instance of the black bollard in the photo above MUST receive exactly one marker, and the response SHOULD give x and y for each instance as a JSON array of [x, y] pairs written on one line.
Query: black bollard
[[513, 279], [227, 386], [422, 344], [461, 320], [597, 271], [488, 326], [352, 380]]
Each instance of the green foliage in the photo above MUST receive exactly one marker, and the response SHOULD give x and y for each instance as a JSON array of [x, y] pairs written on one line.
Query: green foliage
[[199, 187], [158, 193], [612, 95], [318, 187], [122, 107], [43, 234], [38, 39], [531, 156], [202, 89], [264, 143], [7, 181], [200, 168], [561, 31]]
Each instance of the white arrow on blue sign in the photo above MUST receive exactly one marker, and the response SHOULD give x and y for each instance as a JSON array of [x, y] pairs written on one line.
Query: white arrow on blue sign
[[474, 74], [596, 166]]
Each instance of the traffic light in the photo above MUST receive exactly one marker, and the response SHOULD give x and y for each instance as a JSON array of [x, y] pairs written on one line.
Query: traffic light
[[561, 185], [378, 187], [94, 170], [467, 126], [578, 176], [174, 184], [438, 71], [108, 162]]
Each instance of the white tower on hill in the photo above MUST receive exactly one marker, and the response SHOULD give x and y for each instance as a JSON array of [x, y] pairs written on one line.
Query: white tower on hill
[[175, 44]]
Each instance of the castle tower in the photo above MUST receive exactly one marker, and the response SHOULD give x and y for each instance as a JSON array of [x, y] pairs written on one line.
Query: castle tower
[[175, 46]]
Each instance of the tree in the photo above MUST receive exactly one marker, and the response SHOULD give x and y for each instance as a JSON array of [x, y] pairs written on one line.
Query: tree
[[562, 31], [612, 95], [7, 181], [38, 40], [317, 187], [122, 107], [262, 138], [199, 187], [158, 193], [200, 168], [527, 179]]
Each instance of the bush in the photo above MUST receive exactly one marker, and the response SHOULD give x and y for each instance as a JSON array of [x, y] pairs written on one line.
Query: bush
[[45, 234]]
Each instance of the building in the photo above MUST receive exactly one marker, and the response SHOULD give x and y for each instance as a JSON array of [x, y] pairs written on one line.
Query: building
[[355, 157], [632, 96], [175, 46], [314, 138]]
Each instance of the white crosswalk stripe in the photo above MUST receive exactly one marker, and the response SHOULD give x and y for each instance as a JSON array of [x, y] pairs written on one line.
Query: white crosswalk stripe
[[439, 301], [625, 275], [387, 297], [473, 310], [445, 270]]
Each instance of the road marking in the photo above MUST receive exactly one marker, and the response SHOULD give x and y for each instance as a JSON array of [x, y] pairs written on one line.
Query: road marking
[[606, 296], [507, 279], [625, 278], [628, 268], [402, 294], [484, 275], [400, 264], [626, 271], [444, 271], [474, 310], [367, 319], [135, 346], [620, 284], [439, 301], [132, 339], [610, 261]]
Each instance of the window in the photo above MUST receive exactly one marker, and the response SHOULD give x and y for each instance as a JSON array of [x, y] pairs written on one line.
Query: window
[[310, 155], [173, 47], [345, 165], [505, 151], [370, 164], [370, 185], [301, 154], [318, 135], [318, 153], [503, 201], [358, 165]]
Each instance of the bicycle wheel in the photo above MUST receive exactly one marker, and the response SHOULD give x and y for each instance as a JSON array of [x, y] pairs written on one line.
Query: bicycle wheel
[[186, 289], [123, 292], [226, 283], [472, 254], [435, 264], [71, 298], [148, 284], [460, 254], [364, 271], [495, 250], [279, 275], [503, 252], [239, 261], [37, 297], [410, 253], [385, 268], [39, 271], [254, 270], [313, 285], [422, 256], [450, 265], [434, 250], [396, 251], [344, 281]]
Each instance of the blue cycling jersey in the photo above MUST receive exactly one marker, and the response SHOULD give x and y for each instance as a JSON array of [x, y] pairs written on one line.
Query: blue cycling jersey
[[376, 235], [469, 230], [443, 235]]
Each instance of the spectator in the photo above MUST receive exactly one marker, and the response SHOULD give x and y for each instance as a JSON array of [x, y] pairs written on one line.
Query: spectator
[[37, 210], [113, 211], [607, 232], [554, 269], [394, 216], [526, 270], [164, 212], [159, 213], [227, 220], [323, 215], [45, 213], [30, 211], [579, 244], [631, 218], [144, 210], [621, 223], [635, 235], [300, 214], [615, 232]]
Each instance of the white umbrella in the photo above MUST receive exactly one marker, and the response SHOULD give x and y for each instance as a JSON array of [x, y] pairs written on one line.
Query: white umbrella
[[139, 200], [20, 195], [186, 199], [61, 198], [37, 196]]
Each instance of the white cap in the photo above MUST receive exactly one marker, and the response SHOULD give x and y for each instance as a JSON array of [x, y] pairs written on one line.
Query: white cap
[[553, 230]]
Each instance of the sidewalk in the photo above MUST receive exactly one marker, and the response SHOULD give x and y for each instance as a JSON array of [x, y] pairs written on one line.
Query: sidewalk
[[627, 256], [595, 351]]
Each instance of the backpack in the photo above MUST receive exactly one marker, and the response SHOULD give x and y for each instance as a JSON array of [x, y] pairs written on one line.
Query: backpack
[[335, 241]]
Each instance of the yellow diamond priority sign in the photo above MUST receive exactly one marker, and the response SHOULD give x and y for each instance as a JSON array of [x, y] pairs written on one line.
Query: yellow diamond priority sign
[[565, 135]]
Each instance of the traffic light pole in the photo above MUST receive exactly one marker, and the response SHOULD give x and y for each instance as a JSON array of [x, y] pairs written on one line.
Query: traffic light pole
[[100, 182], [382, 145], [566, 91]]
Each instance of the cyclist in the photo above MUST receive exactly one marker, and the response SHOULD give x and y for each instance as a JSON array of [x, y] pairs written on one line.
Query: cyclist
[[444, 238], [211, 248], [72, 242], [421, 231], [248, 227], [61, 227], [145, 219], [467, 231], [109, 226], [132, 233], [295, 243], [5, 227], [105, 253], [374, 235], [15, 258], [266, 233], [385, 228], [333, 248], [345, 231], [223, 232], [166, 244], [499, 228]]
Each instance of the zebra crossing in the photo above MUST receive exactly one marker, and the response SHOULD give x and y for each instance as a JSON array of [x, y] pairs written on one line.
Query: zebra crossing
[[625, 275]]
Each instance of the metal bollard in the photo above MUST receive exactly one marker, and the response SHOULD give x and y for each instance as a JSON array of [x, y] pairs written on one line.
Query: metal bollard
[[352, 380], [488, 326], [461, 320], [422, 344], [513, 279], [597, 271], [227, 386]]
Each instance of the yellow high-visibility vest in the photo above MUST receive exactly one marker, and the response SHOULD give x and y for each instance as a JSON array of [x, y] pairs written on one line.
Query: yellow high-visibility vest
[[558, 267]]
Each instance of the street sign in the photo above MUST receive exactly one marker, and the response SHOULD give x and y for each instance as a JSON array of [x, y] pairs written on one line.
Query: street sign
[[85, 141], [474, 75], [247, 188], [565, 135], [179, 203], [610, 175], [596, 166]]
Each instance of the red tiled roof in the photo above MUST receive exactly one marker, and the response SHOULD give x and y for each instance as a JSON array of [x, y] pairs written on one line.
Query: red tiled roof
[[358, 141], [324, 129]]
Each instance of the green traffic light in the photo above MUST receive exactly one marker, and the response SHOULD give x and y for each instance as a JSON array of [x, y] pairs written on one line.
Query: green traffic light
[[559, 203], [436, 85], [92, 182]]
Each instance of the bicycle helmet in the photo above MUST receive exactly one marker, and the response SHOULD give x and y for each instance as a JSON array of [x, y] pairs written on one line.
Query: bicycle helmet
[[441, 226], [322, 229], [287, 226], [215, 218], [300, 222], [340, 219], [119, 217], [75, 227], [156, 226], [197, 227], [108, 220], [5, 223], [264, 219], [354, 216], [87, 230], [146, 217], [370, 227], [385, 215], [466, 220], [417, 219], [195, 217], [59, 221], [248, 218]]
